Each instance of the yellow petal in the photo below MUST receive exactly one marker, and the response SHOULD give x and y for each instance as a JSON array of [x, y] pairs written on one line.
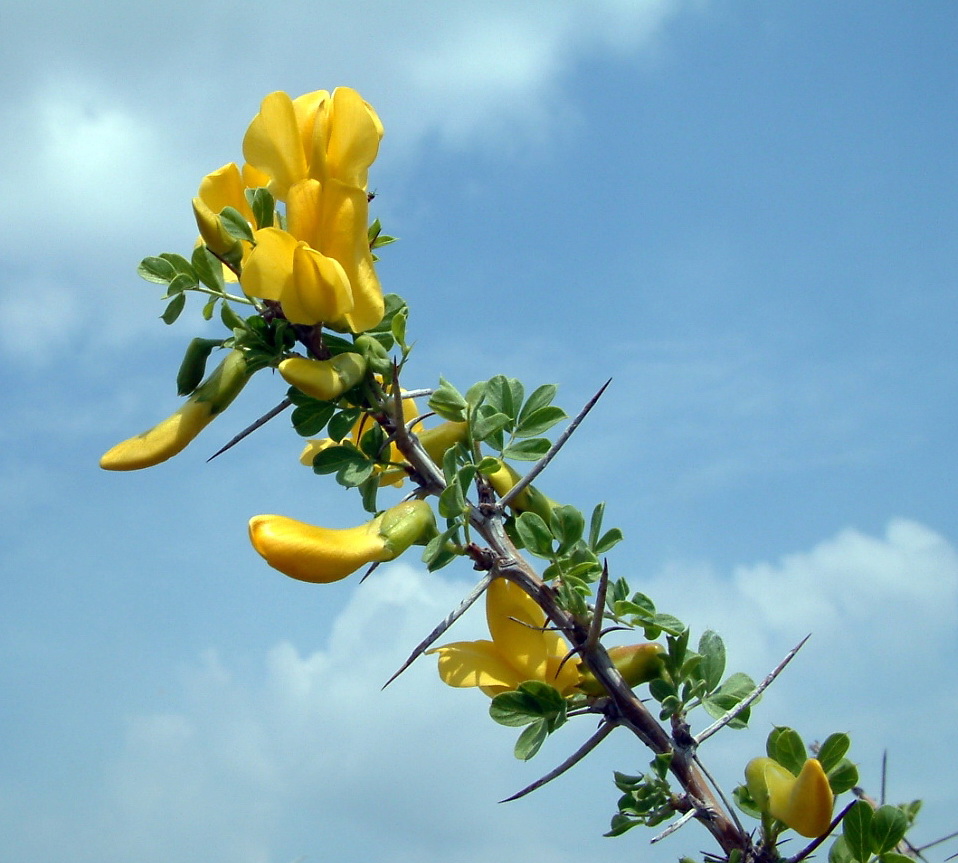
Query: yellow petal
[[172, 436], [516, 625], [273, 144], [345, 238], [324, 379], [476, 663], [268, 271], [225, 188], [808, 808], [319, 290], [345, 139], [315, 554], [306, 108]]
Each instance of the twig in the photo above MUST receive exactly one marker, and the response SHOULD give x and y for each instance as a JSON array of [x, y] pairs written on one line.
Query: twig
[[675, 825], [938, 842], [265, 418], [604, 731], [550, 453], [595, 628], [718, 790], [754, 694], [448, 621]]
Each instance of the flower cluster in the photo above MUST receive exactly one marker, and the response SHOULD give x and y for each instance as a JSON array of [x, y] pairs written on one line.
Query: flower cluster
[[312, 153]]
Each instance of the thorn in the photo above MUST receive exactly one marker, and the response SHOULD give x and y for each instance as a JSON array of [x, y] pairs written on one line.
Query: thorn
[[265, 418]]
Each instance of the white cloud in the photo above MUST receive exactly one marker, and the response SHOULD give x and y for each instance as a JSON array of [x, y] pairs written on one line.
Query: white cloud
[[308, 757]]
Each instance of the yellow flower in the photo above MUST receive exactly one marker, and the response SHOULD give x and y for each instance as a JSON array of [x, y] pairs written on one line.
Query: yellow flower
[[521, 649], [315, 152], [171, 436], [804, 802], [317, 135], [322, 554], [224, 187]]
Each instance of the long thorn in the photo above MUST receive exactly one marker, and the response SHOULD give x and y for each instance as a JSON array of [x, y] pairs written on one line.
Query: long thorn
[[604, 731], [595, 628], [675, 825], [559, 443], [448, 621], [265, 418], [755, 693]]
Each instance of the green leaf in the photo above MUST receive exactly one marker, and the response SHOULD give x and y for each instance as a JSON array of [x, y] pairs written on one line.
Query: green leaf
[[448, 402], [180, 283], [843, 777], [609, 540], [263, 205], [894, 857], [833, 750], [208, 307], [531, 740], [310, 418], [712, 666], [540, 421], [156, 269], [534, 534], [533, 700], [355, 472], [736, 687], [856, 828], [373, 440], [335, 458], [452, 502], [485, 426], [620, 824], [840, 852], [501, 393], [531, 449], [567, 525], [341, 425], [235, 223], [230, 319], [745, 802], [595, 524], [397, 326], [182, 266], [173, 309], [209, 269], [785, 745], [540, 398], [888, 828]]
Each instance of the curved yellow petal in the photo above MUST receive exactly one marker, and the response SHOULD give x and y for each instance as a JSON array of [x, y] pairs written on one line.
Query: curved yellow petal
[[324, 379], [268, 271], [172, 436], [346, 139], [516, 625], [345, 238], [225, 187], [315, 554], [273, 144], [476, 663], [808, 808], [319, 290]]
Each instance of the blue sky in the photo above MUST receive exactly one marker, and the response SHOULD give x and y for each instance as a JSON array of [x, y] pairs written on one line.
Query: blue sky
[[743, 212]]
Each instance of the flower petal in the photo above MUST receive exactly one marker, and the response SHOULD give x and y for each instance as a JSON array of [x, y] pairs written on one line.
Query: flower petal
[[516, 625], [268, 271], [476, 663], [273, 143]]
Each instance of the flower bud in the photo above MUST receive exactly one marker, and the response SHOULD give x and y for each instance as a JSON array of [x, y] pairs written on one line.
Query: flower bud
[[171, 436], [530, 499], [322, 555], [637, 663], [219, 241], [324, 379], [802, 802]]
